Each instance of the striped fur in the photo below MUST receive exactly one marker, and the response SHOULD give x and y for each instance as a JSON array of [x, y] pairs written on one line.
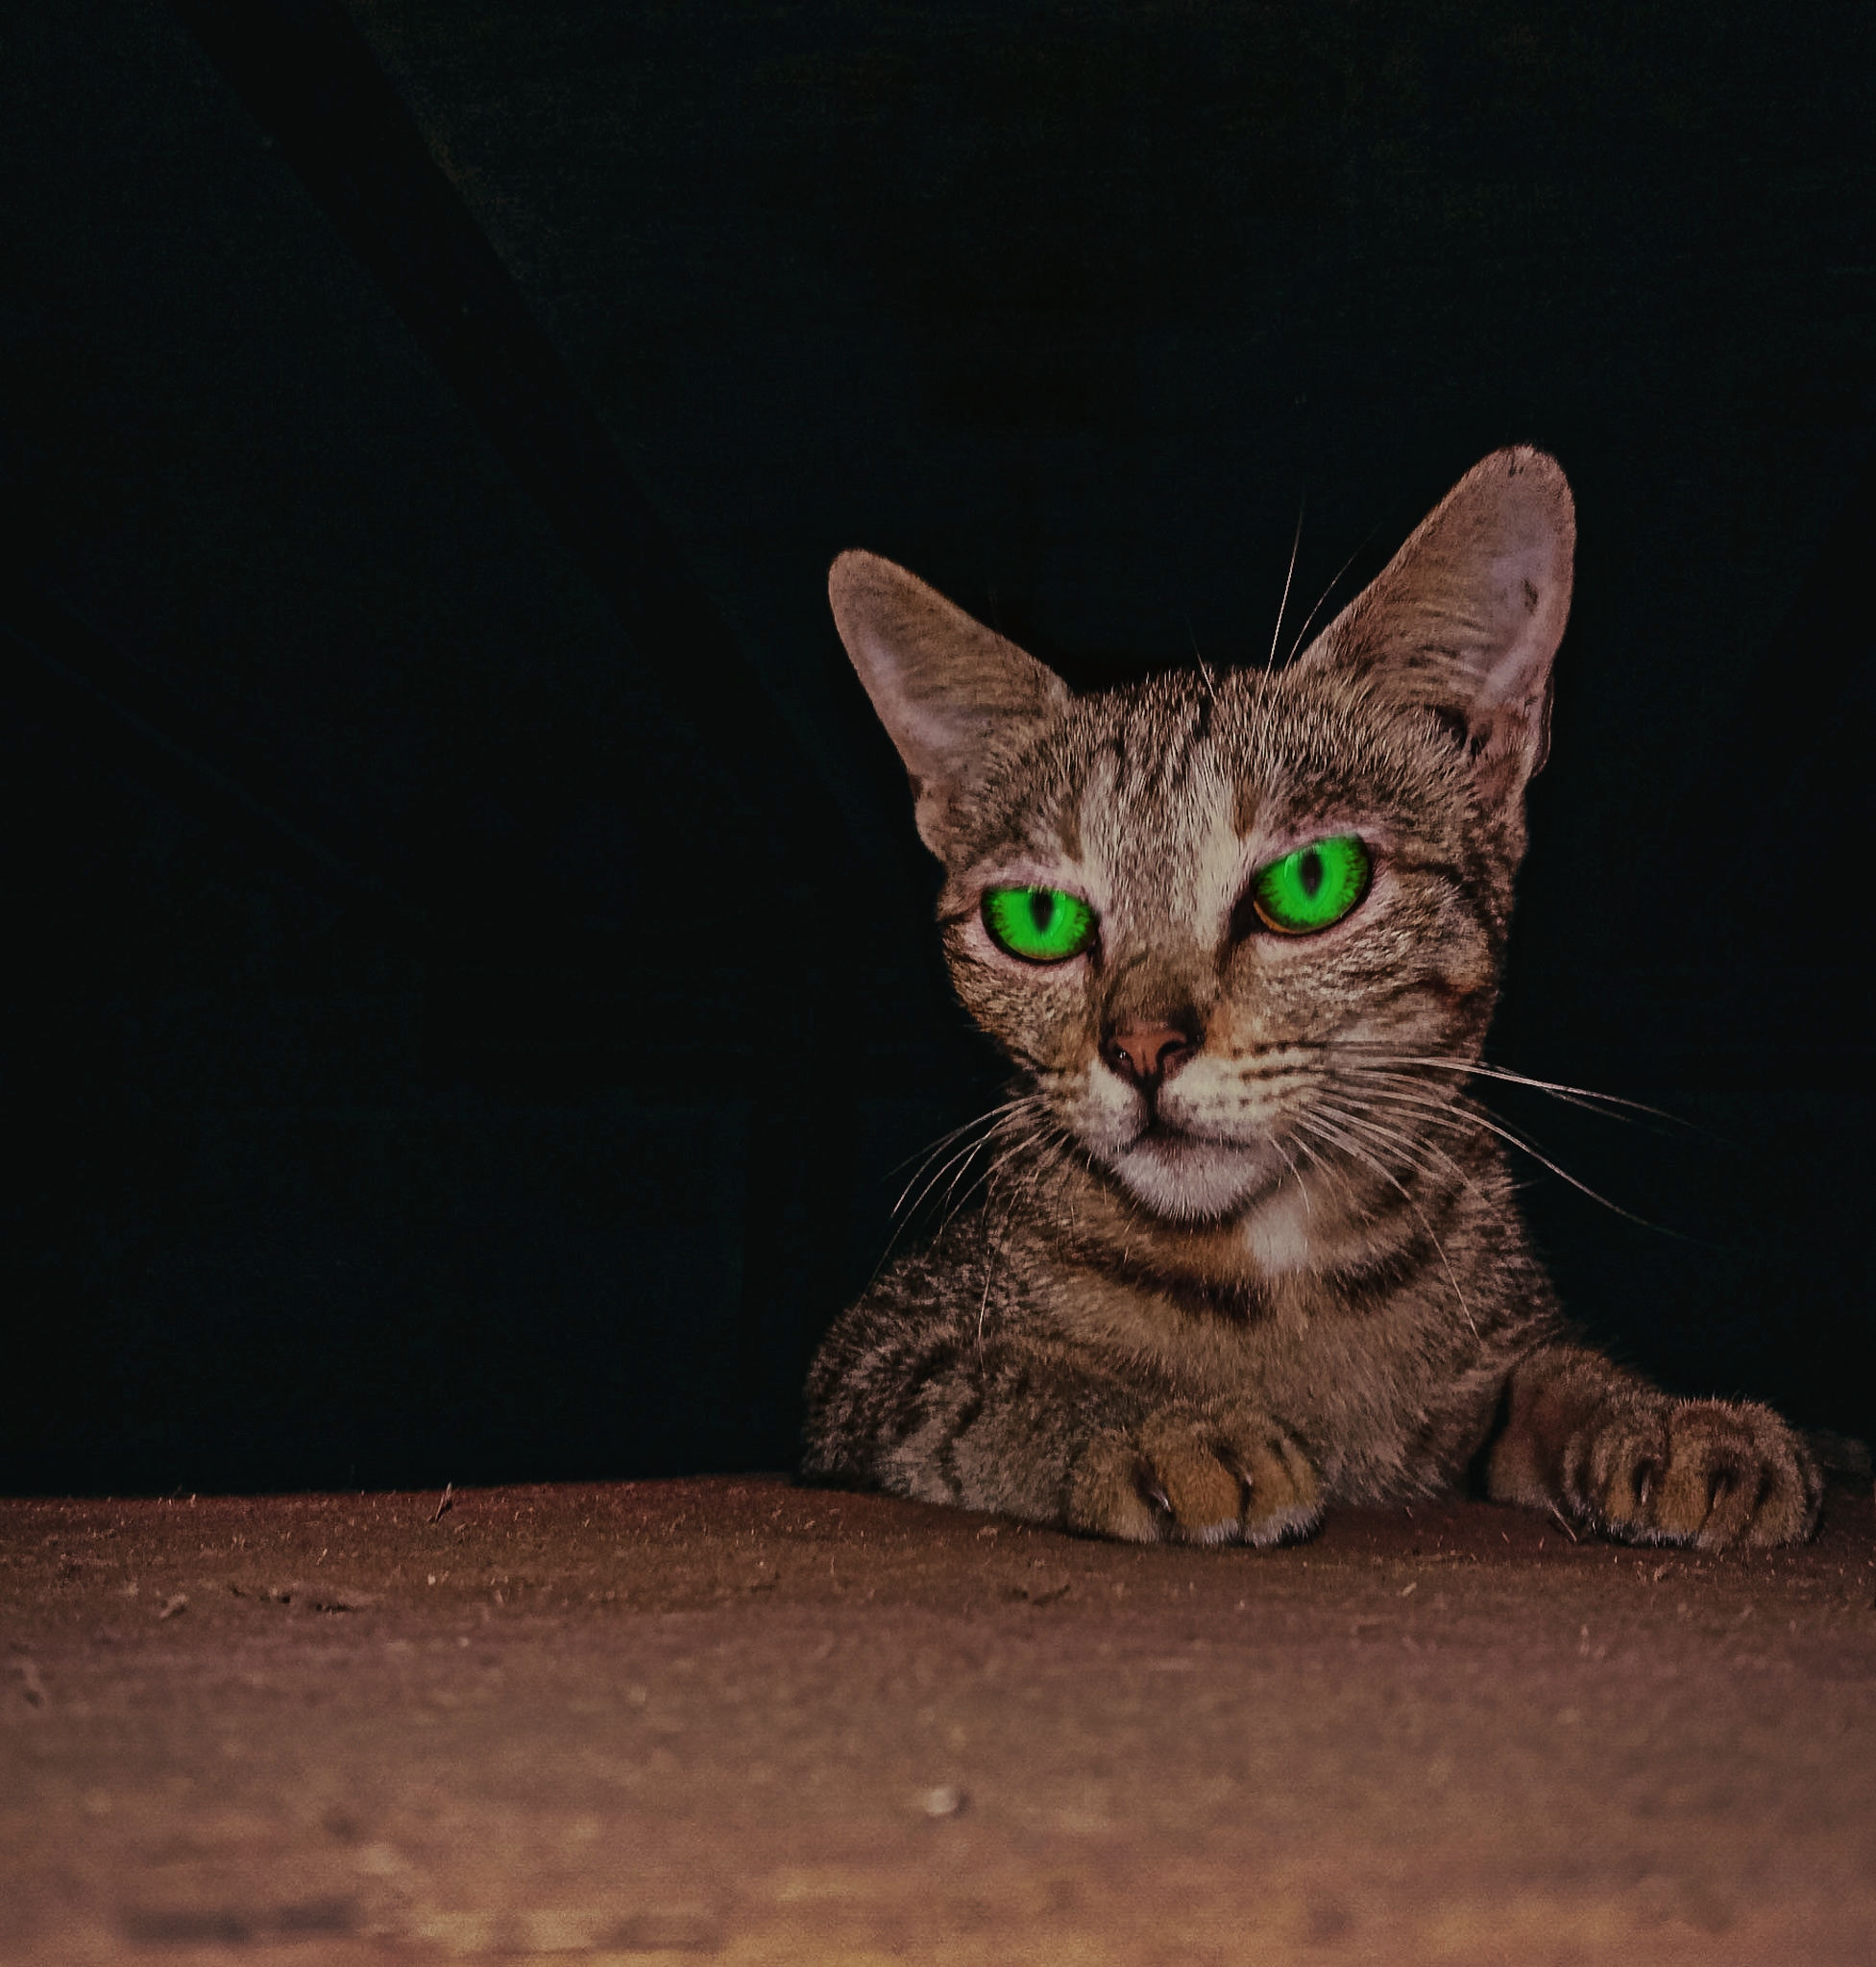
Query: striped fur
[[1294, 1272]]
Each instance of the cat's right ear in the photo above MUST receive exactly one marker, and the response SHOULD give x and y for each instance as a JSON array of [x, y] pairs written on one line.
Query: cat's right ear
[[947, 689]]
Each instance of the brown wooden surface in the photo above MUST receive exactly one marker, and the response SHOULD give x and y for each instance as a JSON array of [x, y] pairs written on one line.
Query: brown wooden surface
[[732, 1717]]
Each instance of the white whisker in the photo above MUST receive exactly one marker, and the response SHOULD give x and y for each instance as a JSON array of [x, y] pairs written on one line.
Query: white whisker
[[1295, 1176], [1290, 656], [999, 1244], [1576, 1096], [1406, 1142], [1328, 1168], [962, 1155], [1458, 1113], [1276, 633], [925, 1154]]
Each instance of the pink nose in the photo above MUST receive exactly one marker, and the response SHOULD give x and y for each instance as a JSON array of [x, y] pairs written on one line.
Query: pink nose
[[1146, 1053]]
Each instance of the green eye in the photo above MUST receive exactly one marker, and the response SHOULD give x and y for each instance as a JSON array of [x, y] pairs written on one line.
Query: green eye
[[1313, 888], [1041, 925]]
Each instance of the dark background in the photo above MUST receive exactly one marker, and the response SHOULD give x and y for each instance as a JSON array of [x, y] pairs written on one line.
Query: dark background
[[461, 1018]]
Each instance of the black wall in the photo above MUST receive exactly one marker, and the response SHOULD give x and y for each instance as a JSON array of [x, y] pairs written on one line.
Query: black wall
[[459, 1028]]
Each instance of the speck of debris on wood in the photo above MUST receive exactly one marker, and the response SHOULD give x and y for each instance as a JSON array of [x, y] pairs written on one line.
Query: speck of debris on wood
[[329, 1600], [1041, 1591]]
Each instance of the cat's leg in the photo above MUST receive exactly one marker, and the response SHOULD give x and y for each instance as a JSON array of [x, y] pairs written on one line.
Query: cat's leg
[[1027, 1427], [1615, 1454]]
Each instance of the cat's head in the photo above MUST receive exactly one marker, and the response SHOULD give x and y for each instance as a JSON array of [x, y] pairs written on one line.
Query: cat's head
[[1187, 906]]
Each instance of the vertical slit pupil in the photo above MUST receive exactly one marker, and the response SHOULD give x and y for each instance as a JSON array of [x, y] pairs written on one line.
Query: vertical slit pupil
[[1309, 872], [1041, 908]]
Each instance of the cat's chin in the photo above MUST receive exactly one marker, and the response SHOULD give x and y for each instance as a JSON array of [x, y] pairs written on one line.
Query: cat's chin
[[1188, 1179]]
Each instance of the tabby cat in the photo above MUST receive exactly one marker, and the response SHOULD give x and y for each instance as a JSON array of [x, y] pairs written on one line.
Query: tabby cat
[[1248, 1248]]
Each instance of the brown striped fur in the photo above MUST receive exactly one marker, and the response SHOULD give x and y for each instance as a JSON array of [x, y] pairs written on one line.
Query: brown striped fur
[[1293, 1272]]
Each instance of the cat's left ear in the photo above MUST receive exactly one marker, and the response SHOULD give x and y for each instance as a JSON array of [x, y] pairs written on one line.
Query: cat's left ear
[[1466, 618]]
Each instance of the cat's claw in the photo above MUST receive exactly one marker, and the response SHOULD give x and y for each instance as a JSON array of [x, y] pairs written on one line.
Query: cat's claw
[[1709, 1474], [1195, 1476]]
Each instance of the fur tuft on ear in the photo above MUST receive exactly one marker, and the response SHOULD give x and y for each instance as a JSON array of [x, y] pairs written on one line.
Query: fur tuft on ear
[[946, 687], [1466, 618]]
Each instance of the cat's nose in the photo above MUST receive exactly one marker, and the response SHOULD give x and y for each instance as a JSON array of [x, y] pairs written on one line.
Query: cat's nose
[[1144, 1055]]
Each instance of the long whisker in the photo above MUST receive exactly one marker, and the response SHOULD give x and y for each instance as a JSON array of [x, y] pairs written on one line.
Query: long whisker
[[965, 1178], [1328, 1168], [1033, 1143], [1405, 1143], [1006, 1114], [1325, 1130], [1268, 667], [1006, 1129], [976, 1120], [1576, 1096], [1029, 1140], [1460, 1112], [999, 1241], [963, 1154], [923, 1155], [1295, 1176], [1205, 667], [1296, 546], [1330, 589]]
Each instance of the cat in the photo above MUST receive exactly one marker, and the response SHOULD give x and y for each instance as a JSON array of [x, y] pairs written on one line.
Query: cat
[[1249, 1249]]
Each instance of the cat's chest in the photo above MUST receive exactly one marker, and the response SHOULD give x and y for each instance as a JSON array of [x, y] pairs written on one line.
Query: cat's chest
[[1358, 1381]]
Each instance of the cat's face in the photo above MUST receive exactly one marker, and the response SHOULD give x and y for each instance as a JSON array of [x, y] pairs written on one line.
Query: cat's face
[[1202, 915], [1160, 807]]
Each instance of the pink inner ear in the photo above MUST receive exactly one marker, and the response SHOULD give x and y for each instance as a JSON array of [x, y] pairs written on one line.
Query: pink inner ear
[[1466, 618], [944, 685]]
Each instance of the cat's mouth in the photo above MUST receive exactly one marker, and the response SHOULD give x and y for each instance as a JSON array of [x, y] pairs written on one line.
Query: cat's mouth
[[1157, 1129], [1177, 1171]]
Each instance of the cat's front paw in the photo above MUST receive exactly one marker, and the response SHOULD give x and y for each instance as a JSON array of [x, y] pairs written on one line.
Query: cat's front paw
[[1705, 1473], [1191, 1475]]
